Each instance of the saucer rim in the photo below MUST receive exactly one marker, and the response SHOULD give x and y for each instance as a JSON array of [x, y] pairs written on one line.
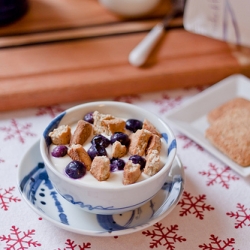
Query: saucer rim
[[21, 168]]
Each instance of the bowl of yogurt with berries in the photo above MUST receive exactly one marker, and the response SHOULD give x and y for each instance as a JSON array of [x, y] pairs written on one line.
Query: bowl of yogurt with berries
[[107, 157]]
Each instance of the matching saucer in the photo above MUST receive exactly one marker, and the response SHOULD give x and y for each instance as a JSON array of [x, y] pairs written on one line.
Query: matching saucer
[[39, 193]]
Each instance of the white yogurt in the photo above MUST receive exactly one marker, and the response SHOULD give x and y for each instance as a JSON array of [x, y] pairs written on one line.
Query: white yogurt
[[115, 178]]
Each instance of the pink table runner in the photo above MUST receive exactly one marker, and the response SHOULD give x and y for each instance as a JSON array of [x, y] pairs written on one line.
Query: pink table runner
[[213, 212]]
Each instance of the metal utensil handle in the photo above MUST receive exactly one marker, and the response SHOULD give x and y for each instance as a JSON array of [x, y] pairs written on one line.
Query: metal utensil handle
[[140, 53]]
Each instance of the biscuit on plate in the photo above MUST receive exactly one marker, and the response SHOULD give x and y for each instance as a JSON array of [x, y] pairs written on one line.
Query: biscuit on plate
[[230, 133], [237, 102]]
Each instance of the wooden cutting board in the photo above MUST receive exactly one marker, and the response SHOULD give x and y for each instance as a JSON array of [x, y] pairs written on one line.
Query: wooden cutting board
[[66, 51]]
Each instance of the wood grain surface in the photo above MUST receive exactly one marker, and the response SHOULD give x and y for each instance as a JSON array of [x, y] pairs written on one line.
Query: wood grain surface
[[66, 51]]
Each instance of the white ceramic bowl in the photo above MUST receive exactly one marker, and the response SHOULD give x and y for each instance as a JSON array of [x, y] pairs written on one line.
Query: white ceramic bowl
[[101, 199], [130, 8]]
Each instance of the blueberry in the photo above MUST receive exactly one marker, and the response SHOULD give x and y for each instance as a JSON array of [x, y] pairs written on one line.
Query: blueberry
[[133, 125], [75, 169], [59, 151], [116, 164], [96, 150], [121, 137], [89, 117], [137, 159], [100, 140]]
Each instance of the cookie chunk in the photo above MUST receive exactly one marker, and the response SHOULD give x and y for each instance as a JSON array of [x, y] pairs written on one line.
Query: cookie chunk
[[100, 168], [98, 122], [114, 125], [118, 150], [153, 164], [82, 132], [131, 173], [78, 153], [230, 133], [139, 141], [150, 127], [238, 102], [154, 144], [61, 135]]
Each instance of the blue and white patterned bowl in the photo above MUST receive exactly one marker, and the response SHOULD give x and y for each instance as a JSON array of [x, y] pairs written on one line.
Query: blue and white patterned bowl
[[100, 199]]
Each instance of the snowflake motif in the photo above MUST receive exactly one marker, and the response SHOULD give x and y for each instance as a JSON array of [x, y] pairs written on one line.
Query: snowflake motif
[[50, 110], [164, 236], [189, 143], [167, 103], [194, 205], [72, 246], [127, 99], [241, 216], [19, 240], [6, 197], [219, 175], [217, 244], [15, 130]]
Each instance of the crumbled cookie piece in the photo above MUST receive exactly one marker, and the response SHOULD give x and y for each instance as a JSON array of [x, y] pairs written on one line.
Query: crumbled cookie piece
[[150, 127], [118, 150], [131, 173], [100, 168], [139, 141], [78, 153], [98, 119], [61, 135], [154, 144], [113, 125], [153, 164], [82, 132]]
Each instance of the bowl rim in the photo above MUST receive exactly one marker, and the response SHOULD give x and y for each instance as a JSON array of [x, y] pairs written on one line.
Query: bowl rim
[[74, 182]]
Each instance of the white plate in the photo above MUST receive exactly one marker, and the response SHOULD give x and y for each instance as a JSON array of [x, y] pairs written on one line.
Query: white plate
[[191, 117], [40, 195]]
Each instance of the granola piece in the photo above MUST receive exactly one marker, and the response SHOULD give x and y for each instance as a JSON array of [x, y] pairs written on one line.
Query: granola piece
[[118, 150], [153, 164], [98, 119], [139, 142], [100, 168], [61, 135], [78, 153], [150, 127], [82, 132], [131, 173], [154, 144], [114, 125]]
